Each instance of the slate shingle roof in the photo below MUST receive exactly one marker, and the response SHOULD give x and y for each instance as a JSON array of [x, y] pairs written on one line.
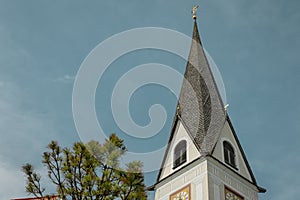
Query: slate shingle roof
[[200, 106]]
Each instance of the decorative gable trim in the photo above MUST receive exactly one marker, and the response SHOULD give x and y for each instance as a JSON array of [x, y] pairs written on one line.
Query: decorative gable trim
[[242, 151], [242, 154], [174, 125]]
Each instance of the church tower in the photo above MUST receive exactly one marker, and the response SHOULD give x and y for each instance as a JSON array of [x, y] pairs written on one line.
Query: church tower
[[204, 159]]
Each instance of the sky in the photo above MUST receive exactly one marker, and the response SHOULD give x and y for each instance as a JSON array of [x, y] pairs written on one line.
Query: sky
[[255, 45]]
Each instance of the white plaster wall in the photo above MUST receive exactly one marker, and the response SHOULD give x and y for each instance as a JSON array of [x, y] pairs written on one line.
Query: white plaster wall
[[219, 177], [196, 177]]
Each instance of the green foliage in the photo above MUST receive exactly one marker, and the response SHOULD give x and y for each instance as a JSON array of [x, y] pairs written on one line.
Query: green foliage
[[88, 172], [33, 186]]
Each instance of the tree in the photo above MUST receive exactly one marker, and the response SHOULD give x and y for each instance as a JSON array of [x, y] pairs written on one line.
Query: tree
[[88, 172]]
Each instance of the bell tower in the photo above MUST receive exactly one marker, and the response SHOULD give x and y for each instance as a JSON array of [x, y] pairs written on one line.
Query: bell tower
[[204, 159]]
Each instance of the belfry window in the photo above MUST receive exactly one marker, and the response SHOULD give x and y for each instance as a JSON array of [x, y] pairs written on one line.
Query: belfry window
[[179, 154], [229, 154]]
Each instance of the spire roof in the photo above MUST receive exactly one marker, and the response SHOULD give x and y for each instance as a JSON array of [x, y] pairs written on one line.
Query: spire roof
[[200, 107]]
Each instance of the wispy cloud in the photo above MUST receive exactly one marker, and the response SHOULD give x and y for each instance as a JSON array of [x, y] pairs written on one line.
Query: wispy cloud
[[65, 79]]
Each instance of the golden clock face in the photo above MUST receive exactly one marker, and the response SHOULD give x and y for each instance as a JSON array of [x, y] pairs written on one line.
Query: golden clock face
[[231, 195], [182, 194]]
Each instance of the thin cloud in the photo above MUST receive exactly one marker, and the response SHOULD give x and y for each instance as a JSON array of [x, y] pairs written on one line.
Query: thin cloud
[[65, 79]]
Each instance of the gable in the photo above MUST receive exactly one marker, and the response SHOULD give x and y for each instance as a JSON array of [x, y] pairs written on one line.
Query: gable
[[179, 134], [228, 135]]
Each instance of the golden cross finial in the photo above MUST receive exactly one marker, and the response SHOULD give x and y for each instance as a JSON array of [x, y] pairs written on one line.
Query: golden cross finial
[[194, 11]]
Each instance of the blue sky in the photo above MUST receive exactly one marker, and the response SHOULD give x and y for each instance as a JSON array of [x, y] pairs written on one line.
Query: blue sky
[[254, 43]]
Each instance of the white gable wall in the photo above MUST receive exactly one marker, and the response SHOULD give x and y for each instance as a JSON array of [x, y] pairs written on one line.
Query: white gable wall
[[227, 135], [192, 152]]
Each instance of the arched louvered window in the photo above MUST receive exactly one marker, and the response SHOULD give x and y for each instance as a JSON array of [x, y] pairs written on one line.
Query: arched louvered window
[[229, 154], [179, 154]]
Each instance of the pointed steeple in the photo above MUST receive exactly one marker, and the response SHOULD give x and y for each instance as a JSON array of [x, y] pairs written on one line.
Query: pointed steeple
[[202, 123], [201, 109]]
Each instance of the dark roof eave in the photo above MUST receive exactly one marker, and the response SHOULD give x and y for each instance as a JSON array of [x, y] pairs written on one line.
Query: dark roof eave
[[150, 188], [261, 190]]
